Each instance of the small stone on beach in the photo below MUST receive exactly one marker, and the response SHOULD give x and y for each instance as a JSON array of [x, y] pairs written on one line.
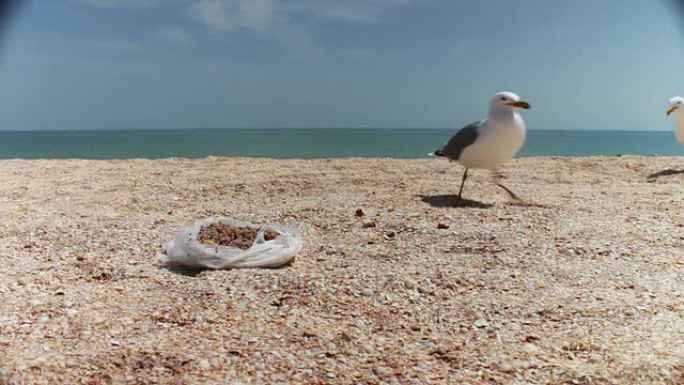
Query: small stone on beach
[[369, 223], [481, 323]]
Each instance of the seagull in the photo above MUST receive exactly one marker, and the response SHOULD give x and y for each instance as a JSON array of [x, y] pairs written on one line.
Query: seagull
[[676, 107], [489, 143]]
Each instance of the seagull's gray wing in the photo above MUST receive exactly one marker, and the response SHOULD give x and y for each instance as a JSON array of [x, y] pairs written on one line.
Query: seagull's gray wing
[[463, 138]]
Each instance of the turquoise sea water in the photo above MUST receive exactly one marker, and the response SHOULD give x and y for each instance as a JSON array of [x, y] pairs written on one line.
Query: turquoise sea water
[[310, 143]]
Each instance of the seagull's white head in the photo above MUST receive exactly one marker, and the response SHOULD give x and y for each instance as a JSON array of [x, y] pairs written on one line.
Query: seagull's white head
[[676, 104], [507, 101]]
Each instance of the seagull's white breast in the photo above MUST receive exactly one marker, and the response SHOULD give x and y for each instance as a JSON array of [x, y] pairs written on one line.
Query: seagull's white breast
[[679, 131], [499, 140]]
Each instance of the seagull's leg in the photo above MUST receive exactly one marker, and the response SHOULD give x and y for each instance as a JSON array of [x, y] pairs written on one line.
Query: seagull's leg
[[497, 181], [460, 191]]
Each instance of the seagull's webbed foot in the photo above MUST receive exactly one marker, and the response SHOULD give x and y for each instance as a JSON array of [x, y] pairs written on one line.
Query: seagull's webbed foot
[[666, 172], [511, 193], [523, 203], [497, 176], [515, 199]]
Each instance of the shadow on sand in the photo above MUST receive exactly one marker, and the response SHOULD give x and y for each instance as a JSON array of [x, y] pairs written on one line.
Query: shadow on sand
[[667, 172], [193, 272], [442, 201], [185, 271]]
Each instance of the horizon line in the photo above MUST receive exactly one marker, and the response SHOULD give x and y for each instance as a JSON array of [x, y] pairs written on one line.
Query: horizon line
[[306, 128]]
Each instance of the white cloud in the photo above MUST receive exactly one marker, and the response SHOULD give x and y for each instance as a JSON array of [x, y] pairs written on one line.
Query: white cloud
[[363, 11], [118, 3], [174, 36], [213, 14], [351, 12], [230, 15], [290, 22], [256, 14]]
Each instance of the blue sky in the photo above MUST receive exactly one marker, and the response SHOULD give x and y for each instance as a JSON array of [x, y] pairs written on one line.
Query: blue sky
[[120, 64]]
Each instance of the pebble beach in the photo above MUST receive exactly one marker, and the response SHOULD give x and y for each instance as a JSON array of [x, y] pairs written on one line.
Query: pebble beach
[[396, 284]]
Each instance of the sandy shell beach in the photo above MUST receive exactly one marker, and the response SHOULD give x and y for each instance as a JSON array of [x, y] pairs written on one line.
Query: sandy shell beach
[[586, 288]]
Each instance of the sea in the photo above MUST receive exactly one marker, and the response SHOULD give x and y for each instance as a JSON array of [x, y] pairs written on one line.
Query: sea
[[310, 143]]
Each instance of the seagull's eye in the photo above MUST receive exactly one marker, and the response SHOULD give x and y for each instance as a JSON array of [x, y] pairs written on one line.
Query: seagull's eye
[[503, 98]]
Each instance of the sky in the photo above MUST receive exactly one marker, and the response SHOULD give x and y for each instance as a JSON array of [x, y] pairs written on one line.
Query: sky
[[154, 64]]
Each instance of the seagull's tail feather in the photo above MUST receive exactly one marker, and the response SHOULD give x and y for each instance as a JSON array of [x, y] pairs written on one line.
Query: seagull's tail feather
[[437, 153]]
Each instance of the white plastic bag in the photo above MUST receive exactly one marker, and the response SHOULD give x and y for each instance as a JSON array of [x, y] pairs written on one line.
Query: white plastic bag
[[187, 251]]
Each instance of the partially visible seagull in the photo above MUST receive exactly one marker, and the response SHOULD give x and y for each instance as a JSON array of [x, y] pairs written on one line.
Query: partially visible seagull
[[676, 106], [489, 143]]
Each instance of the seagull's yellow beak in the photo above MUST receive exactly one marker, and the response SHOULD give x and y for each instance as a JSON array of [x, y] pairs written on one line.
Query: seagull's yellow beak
[[520, 104], [671, 110]]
